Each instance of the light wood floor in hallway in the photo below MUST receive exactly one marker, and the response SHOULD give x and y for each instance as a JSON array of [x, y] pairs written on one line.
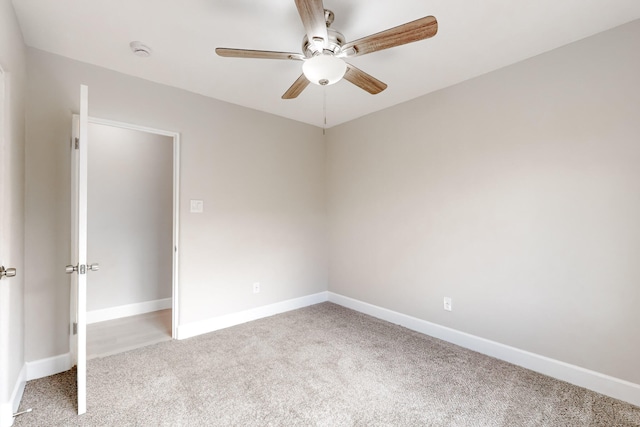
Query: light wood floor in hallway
[[128, 333]]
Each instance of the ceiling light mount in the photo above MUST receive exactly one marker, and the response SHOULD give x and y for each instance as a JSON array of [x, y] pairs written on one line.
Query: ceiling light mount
[[140, 49]]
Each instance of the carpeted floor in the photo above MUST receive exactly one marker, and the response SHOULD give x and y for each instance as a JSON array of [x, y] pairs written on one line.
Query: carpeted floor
[[323, 365]]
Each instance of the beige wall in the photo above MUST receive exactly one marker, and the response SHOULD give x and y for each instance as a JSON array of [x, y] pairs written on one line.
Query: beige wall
[[261, 178], [130, 210], [516, 194], [12, 61]]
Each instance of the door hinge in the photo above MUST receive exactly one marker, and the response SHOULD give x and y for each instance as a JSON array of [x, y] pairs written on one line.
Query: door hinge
[[77, 143], [74, 328]]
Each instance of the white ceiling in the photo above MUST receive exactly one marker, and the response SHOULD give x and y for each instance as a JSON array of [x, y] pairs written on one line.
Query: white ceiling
[[474, 37]]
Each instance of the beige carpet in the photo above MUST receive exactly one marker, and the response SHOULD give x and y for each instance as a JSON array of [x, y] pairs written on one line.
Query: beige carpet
[[319, 366]]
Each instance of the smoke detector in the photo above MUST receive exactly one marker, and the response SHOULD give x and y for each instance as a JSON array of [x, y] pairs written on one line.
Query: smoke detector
[[139, 49]]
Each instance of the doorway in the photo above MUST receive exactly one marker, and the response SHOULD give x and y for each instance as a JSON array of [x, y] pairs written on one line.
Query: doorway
[[132, 234]]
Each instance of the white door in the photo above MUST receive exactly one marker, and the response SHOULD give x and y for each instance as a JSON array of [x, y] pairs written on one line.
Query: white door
[[6, 413], [4, 241], [79, 267]]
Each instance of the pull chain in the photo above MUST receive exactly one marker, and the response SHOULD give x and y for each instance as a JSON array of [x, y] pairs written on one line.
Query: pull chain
[[324, 109]]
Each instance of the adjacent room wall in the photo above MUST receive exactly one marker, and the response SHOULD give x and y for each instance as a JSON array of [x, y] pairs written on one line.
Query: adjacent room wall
[[261, 178], [515, 194], [13, 62], [130, 210]]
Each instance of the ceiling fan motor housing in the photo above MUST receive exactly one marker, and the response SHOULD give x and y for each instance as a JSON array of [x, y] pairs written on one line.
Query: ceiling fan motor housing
[[333, 45], [335, 42]]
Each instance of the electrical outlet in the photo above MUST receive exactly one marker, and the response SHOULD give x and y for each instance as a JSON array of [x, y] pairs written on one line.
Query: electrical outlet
[[447, 304], [256, 287]]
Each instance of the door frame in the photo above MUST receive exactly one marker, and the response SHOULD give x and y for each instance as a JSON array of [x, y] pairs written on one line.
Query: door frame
[[176, 208]]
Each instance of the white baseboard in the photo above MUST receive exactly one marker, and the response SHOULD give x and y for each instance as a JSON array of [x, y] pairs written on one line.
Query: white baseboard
[[600, 383], [209, 325], [61, 363], [49, 366], [7, 409], [111, 313]]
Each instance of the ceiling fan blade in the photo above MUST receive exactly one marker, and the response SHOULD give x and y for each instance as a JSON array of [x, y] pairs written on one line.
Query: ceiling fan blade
[[410, 32], [259, 54], [364, 80], [296, 88], [312, 15]]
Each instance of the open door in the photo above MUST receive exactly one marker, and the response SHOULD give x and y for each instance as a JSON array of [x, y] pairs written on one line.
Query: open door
[[6, 313], [79, 270]]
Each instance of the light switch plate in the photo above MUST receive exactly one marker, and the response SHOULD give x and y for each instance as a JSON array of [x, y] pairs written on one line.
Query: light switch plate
[[197, 206]]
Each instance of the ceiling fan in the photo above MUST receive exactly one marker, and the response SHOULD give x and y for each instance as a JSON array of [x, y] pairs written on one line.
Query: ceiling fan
[[324, 49]]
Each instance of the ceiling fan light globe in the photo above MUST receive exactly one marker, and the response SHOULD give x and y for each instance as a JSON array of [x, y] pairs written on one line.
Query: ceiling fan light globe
[[324, 70]]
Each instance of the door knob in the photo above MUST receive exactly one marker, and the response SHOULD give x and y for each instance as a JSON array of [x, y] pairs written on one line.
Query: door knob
[[7, 272], [93, 267], [71, 269]]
